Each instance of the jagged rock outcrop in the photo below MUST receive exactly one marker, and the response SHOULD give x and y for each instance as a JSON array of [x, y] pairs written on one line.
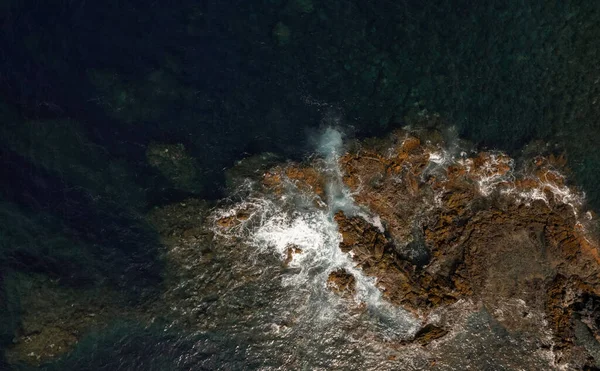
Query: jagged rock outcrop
[[342, 282], [457, 226]]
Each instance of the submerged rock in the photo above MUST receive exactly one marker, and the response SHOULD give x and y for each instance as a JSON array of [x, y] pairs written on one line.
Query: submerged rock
[[175, 164], [281, 34], [54, 318], [301, 6]]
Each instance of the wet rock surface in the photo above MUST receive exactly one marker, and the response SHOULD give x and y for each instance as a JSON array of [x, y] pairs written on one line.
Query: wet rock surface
[[342, 282], [493, 235], [441, 228], [55, 318], [429, 333]]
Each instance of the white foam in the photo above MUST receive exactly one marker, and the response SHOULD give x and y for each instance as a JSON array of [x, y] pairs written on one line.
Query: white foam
[[488, 178], [316, 234], [313, 232], [330, 143], [277, 224], [560, 194], [440, 158]]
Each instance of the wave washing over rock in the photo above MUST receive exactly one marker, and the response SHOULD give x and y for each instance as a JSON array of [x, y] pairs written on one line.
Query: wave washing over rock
[[412, 252]]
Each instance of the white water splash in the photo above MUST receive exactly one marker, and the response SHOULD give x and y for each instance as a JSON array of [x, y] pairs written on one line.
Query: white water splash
[[309, 236], [560, 193], [490, 176]]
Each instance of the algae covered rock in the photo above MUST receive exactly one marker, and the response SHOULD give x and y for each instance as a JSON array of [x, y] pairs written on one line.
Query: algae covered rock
[[175, 164], [249, 168], [301, 6], [342, 282], [281, 34], [120, 346], [53, 317]]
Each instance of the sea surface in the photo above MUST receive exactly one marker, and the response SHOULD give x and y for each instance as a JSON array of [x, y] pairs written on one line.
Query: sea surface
[[112, 113]]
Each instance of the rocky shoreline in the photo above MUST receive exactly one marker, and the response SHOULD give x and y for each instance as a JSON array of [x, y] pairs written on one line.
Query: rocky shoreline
[[461, 228]]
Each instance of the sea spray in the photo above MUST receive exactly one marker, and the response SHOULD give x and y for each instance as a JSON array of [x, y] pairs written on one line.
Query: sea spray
[[340, 199]]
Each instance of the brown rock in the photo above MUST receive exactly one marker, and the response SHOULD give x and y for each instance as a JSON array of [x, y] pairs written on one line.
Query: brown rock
[[493, 249], [465, 231], [291, 250], [342, 283], [429, 333]]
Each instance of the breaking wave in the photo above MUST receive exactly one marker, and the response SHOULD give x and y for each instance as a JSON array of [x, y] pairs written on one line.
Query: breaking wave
[[305, 236]]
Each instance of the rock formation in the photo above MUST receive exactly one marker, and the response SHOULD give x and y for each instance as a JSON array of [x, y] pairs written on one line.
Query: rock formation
[[466, 227]]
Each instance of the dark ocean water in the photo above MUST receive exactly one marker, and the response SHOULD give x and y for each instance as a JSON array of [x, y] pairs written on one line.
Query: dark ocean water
[[90, 91]]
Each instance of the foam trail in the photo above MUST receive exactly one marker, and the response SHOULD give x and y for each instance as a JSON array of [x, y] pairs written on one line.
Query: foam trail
[[340, 199], [330, 147], [316, 233]]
